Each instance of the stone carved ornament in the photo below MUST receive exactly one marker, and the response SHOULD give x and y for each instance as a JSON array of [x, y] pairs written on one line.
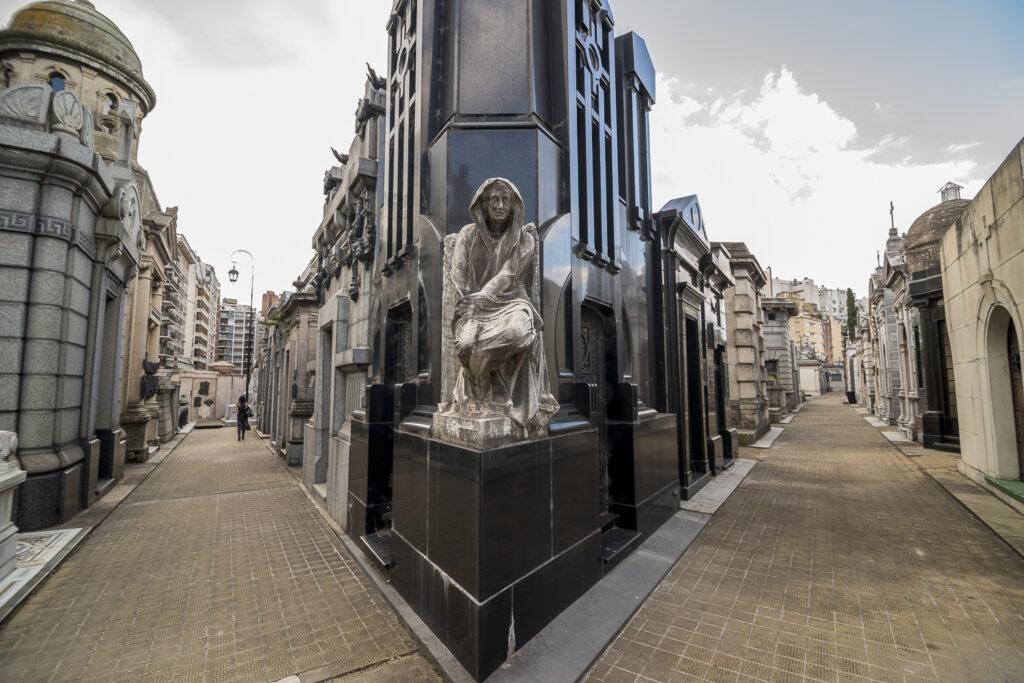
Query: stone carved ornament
[[38, 104], [496, 328]]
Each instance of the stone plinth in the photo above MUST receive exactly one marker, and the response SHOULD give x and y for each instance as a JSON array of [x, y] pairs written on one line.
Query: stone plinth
[[11, 476], [475, 432]]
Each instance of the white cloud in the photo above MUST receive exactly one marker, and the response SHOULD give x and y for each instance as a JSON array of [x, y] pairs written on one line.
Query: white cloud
[[787, 174], [962, 147]]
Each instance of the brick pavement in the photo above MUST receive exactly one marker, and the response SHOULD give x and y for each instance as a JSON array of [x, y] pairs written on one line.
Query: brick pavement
[[836, 560], [217, 568]]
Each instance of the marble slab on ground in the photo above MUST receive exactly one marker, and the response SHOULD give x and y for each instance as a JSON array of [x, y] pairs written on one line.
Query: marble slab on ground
[[786, 420], [768, 439], [895, 436], [862, 411], [875, 422], [716, 491], [38, 553]]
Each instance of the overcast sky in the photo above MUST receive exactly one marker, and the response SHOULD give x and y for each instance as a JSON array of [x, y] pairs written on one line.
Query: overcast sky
[[795, 126]]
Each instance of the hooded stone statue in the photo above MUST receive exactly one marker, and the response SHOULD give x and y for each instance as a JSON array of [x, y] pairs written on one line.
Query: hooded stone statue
[[497, 330]]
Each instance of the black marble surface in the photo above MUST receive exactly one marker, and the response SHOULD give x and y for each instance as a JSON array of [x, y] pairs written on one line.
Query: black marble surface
[[44, 500]]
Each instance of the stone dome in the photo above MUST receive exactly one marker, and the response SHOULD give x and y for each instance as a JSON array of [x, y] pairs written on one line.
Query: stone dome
[[931, 225], [75, 30]]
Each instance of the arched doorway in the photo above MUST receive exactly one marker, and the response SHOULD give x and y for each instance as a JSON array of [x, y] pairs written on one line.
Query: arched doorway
[[1017, 392], [1006, 406]]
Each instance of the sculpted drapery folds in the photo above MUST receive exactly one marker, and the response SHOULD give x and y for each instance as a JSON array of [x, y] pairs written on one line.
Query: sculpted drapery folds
[[496, 327]]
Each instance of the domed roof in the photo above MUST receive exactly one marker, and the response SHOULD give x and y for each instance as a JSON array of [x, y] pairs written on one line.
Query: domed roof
[[931, 225], [77, 31]]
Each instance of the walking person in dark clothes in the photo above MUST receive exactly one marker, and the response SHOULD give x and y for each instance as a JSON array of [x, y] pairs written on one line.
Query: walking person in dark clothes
[[243, 413]]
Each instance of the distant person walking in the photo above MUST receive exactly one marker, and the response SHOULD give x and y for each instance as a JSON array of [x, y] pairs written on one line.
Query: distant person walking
[[242, 414]]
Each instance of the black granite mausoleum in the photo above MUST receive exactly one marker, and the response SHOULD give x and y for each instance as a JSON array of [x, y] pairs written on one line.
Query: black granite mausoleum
[[489, 546]]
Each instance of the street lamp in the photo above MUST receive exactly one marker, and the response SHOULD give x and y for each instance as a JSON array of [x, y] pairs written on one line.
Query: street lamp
[[233, 276]]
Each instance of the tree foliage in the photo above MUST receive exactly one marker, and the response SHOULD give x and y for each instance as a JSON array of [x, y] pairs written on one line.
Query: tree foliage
[[851, 314]]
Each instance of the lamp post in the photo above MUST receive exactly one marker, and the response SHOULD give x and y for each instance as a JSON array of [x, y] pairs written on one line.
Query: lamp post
[[233, 276]]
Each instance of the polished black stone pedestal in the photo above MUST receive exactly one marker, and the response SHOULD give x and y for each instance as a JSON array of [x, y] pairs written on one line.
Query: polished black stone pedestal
[[370, 465], [489, 546], [730, 447], [716, 453], [932, 433], [44, 500], [644, 471]]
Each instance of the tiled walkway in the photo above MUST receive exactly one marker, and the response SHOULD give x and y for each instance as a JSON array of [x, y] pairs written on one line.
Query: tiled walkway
[[217, 567], [837, 559]]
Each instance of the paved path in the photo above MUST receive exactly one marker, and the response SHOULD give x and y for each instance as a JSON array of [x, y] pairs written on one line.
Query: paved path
[[837, 559], [217, 567]]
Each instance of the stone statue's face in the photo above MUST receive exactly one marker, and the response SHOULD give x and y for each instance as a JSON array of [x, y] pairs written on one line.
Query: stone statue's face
[[499, 205]]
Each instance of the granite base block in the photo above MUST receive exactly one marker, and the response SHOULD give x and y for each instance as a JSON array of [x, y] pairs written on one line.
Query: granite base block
[[44, 500], [480, 536]]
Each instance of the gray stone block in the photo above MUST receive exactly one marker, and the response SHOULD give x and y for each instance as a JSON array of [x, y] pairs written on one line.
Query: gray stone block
[[79, 297], [41, 356], [13, 284], [38, 392], [78, 327], [9, 392], [12, 319], [51, 254], [15, 249], [71, 393], [67, 429], [35, 430], [56, 201], [8, 421], [44, 322], [81, 267], [17, 194], [74, 360], [47, 288], [10, 355]]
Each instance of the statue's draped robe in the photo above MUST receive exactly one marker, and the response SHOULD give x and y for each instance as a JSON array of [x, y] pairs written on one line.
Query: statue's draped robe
[[497, 329]]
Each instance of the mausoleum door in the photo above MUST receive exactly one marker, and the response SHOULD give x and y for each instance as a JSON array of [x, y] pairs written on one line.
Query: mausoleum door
[[1017, 392], [694, 390], [951, 424], [595, 366]]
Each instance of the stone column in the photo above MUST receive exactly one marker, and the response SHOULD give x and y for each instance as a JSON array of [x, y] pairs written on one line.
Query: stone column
[[137, 415], [11, 476]]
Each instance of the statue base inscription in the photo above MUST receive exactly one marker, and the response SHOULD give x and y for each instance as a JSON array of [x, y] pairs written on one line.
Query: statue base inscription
[[476, 432]]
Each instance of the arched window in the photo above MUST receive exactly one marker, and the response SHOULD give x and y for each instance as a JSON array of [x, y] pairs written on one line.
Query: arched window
[[110, 103], [56, 81]]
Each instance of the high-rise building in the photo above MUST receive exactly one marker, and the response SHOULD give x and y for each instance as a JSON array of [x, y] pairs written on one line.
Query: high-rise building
[[234, 333], [204, 335]]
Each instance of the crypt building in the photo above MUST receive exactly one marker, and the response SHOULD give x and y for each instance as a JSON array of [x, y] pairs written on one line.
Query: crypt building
[[533, 183], [76, 217], [345, 244], [982, 268], [745, 347]]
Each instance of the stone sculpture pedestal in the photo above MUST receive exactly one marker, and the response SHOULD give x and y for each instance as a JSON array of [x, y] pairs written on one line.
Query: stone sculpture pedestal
[[489, 544], [475, 432], [11, 476]]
